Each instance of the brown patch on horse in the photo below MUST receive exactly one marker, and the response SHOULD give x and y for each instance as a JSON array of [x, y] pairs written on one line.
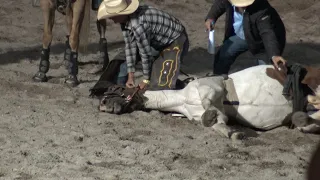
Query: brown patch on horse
[[312, 78], [279, 74]]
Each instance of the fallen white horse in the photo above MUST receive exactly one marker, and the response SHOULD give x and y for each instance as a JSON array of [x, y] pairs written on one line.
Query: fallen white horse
[[249, 96], [261, 103]]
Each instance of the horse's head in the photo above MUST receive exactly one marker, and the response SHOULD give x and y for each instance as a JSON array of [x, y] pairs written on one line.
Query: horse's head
[[119, 100], [310, 123]]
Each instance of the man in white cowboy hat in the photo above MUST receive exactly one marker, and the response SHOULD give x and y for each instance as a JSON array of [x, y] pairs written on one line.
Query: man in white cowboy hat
[[146, 30], [252, 25]]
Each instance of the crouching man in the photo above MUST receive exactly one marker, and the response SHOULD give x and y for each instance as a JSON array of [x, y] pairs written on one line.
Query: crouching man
[[156, 38], [252, 25]]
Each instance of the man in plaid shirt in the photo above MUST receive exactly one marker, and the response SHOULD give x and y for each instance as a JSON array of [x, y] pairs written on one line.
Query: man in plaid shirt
[[146, 30]]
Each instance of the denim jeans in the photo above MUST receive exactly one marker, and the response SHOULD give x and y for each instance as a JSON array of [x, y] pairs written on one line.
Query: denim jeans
[[228, 53], [122, 76]]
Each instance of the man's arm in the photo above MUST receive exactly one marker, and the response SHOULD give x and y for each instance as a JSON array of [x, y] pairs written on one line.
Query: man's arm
[[217, 9], [267, 33], [144, 47], [130, 51]]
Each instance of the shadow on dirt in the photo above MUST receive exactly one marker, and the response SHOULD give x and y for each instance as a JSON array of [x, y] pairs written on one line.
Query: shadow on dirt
[[33, 53], [197, 61]]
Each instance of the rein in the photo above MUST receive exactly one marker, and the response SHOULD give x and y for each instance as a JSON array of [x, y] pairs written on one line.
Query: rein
[[293, 88]]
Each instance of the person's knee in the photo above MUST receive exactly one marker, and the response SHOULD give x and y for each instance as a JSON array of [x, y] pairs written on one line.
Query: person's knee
[[122, 80], [122, 76]]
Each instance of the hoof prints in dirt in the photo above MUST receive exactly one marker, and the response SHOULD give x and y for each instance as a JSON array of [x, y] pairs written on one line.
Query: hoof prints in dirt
[[133, 136], [112, 165], [23, 176], [177, 161]]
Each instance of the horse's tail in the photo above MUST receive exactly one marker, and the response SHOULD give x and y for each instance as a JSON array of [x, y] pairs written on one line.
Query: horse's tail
[[85, 28]]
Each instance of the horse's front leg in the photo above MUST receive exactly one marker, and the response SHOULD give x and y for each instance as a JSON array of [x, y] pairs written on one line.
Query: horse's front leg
[[307, 123], [48, 10], [103, 60]]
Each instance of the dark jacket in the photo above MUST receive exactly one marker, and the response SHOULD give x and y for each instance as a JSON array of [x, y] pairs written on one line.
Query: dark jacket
[[263, 28]]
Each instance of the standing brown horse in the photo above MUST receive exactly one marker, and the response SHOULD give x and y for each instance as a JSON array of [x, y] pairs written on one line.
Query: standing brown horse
[[77, 13]]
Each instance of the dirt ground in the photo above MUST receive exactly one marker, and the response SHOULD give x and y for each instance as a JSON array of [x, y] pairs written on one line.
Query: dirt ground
[[50, 131]]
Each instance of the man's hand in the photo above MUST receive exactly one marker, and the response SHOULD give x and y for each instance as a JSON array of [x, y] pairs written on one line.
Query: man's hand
[[130, 81], [143, 84], [277, 60], [209, 24]]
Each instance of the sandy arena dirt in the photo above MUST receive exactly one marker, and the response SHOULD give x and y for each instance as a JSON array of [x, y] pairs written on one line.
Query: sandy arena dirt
[[50, 131]]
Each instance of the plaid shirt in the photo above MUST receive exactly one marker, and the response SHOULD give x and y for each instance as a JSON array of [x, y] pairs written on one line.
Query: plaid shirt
[[148, 27]]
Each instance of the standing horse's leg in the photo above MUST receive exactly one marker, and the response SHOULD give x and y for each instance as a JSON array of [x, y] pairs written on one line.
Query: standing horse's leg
[[48, 9], [72, 61], [103, 48], [67, 51]]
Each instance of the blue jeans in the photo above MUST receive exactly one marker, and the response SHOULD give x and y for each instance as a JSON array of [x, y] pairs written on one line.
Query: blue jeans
[[122, 76], [228, 53]]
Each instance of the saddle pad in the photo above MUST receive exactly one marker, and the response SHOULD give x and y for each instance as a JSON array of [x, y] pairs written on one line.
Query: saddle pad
[[231, 97], [231, 100]]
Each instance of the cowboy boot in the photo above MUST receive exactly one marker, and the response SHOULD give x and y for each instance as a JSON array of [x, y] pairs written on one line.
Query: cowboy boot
[[72, 67], [103, 60], [44, 66]]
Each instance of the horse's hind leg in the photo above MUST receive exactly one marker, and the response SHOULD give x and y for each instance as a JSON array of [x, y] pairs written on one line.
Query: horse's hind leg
[[227, 131], [103, 48], [214, 118], [48, 9], [72, 63], [67, 51]]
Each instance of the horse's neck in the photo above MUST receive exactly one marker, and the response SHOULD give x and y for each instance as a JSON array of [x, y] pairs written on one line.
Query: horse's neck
[[164, 99], [198, 93], [186, 101]]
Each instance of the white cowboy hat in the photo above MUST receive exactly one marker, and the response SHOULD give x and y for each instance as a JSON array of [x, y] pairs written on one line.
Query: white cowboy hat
[[111, 8], [241, 3]]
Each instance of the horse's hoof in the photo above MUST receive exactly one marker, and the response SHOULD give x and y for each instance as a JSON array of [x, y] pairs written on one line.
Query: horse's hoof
[[40, 77], [300, 119], [72, 80], [209, 118], [238, 136]]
